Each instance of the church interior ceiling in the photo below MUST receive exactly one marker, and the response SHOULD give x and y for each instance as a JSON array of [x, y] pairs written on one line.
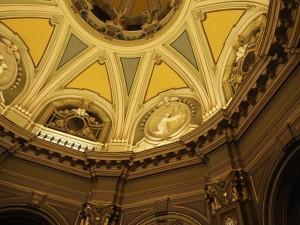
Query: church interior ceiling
[[124, 75]]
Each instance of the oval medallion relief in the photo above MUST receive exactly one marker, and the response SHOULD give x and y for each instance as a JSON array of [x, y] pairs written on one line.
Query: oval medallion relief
[[8, 67], [168, 120]]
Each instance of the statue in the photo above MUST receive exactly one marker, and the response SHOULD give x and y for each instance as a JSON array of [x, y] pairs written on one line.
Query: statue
[[241, 52]]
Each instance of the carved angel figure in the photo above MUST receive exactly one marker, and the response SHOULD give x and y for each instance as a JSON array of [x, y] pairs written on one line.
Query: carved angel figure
[[241, 52]]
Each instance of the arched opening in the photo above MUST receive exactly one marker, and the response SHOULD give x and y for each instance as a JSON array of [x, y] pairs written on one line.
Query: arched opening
[[25, 215], [282, 203], [168, 219]]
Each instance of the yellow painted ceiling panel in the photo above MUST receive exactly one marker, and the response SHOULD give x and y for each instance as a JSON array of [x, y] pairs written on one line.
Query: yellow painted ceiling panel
[[163, 78], [35, 32], [94, 78], [217, 27], [139, 6], [116, 3]]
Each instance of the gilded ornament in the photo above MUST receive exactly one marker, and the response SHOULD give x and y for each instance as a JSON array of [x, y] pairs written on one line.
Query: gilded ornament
[[230, 220]]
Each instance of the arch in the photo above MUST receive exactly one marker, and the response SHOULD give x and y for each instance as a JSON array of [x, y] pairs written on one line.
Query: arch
[[26, 65], [170, 218], [228, 55], [25, 215], [282, 199]]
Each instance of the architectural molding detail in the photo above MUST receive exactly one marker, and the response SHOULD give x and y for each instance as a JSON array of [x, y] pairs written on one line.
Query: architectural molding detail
[[168, 101], [201, 16], [246, 53], [92, 214], [117, 24], [10, 64], [54, 21], [230, 220], [102, 58], [157, 58], [234, 187], [278, 55]]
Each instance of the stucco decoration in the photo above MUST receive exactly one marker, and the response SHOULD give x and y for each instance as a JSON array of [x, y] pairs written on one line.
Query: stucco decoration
[[230, 220], [78, 122], [170, 117], [170, 219], [245, 54], [120, 24], [10, 68]]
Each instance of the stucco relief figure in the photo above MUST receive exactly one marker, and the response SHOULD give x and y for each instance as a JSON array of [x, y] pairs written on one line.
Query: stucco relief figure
[[167, 120], [3, 67], [80, 112], [10, 69], [170, 122], [241, 52]]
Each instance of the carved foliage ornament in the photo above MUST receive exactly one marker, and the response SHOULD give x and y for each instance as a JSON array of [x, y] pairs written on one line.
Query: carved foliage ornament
[[78, 122], [10, 65], [230, 220], [233, 188], [98, 215]]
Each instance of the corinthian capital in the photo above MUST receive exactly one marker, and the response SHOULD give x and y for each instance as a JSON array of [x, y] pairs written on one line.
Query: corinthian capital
[[234, 187], [92, 214]]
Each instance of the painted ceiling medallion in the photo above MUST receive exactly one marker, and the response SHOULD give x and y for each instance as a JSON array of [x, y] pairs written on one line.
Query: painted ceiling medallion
[[137, 20], [10, 69]]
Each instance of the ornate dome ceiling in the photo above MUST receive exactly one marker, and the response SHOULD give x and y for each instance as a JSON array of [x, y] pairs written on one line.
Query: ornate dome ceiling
[[126, 20], [93, 75]]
